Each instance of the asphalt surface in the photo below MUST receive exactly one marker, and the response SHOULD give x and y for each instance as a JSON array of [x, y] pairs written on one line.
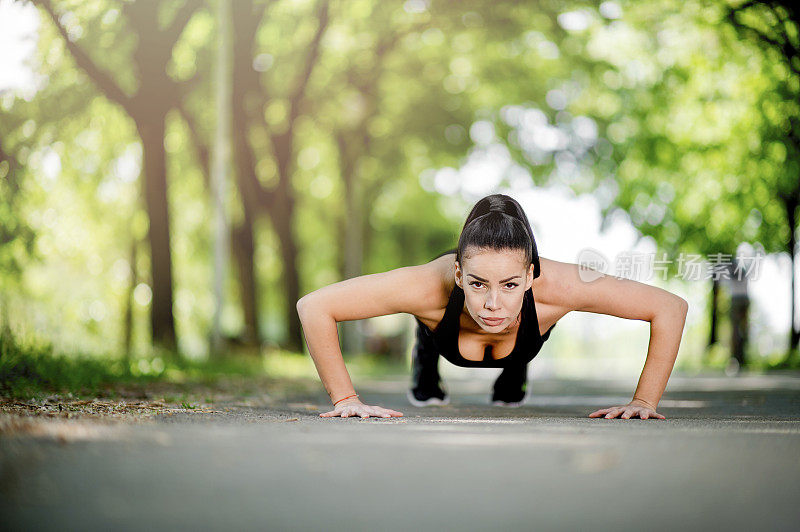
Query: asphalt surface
[[726, 457]]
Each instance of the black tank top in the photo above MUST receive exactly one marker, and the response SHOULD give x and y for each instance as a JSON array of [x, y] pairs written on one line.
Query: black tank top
[[445, 336]]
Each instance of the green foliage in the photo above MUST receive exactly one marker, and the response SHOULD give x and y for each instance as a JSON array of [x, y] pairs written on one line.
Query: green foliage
[[691, 111], [29, 368]]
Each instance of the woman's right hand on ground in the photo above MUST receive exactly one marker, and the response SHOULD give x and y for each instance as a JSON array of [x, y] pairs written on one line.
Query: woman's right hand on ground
[[355, 408]]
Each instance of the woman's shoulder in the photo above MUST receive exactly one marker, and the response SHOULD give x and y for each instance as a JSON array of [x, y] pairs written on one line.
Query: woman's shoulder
[[560, 283], [443, 270], [439, 282], [550, 284], [549, 289]]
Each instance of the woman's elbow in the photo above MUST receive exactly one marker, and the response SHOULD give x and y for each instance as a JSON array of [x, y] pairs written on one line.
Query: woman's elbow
[[683, 305], [311, 305], [675, 308], [679, 309], [302, 305]]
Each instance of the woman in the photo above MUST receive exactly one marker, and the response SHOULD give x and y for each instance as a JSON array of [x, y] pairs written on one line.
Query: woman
[[475, 306]]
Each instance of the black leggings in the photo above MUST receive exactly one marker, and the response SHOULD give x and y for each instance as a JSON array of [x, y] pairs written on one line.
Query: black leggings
[[509, 386]]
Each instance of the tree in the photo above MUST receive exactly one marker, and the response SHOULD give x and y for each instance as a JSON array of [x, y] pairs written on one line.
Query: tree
[[252, 94], [148, 104], [775, 27]]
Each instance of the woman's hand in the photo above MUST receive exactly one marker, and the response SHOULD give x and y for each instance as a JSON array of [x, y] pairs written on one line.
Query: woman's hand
[[634, 408], [354, 407]]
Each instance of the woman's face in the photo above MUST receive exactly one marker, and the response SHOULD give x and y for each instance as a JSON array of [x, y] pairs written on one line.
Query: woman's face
[[494, 284]]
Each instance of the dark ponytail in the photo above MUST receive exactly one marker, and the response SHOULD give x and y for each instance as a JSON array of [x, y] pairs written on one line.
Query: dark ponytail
[[498, 222]]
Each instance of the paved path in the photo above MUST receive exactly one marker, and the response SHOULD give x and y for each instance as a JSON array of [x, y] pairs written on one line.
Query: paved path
[[727, 457]]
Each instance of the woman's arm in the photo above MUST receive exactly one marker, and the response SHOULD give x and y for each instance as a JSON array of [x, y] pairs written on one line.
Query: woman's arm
[[629, 299], [414, 289]]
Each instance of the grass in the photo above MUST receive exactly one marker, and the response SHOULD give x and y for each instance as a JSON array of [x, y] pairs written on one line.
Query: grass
[[32, 369]]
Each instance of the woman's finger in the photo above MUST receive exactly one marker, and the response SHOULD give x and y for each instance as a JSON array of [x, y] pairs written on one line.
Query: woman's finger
[[380, 411], [643, 414], [627, 414], [599, 412], [328, 414]]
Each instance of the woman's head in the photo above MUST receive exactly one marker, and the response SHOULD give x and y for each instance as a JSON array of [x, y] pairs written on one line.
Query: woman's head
[[497, 222], [496, 260]]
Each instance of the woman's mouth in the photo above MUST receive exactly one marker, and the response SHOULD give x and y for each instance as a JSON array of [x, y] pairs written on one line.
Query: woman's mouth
[[492, 322]]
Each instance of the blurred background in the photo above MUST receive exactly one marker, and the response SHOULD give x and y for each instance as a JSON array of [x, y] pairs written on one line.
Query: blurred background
[[174, 175]]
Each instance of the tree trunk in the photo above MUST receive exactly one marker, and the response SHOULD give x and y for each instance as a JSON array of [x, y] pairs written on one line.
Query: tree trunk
[[794, 338], [155, 193], [243, 242], [221, 167], [127, 325], [790, 204], [246, 88], [282, 215], [713, 309], [244, 251], [739, 329], [740, 325]]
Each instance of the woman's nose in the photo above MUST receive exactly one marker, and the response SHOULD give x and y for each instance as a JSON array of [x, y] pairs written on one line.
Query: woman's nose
[[491, 302]]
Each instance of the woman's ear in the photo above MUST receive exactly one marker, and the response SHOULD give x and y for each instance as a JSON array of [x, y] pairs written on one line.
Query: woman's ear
[[529, 278], [458, 276]]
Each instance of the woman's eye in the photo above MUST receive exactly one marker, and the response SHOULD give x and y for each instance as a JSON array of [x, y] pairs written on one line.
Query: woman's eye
[[477, 284]]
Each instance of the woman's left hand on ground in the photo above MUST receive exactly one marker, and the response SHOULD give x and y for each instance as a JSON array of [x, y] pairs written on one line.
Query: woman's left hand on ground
[[632, 409]]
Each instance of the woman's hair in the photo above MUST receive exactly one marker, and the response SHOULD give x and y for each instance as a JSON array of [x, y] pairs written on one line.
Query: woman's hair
[[498, 222]]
